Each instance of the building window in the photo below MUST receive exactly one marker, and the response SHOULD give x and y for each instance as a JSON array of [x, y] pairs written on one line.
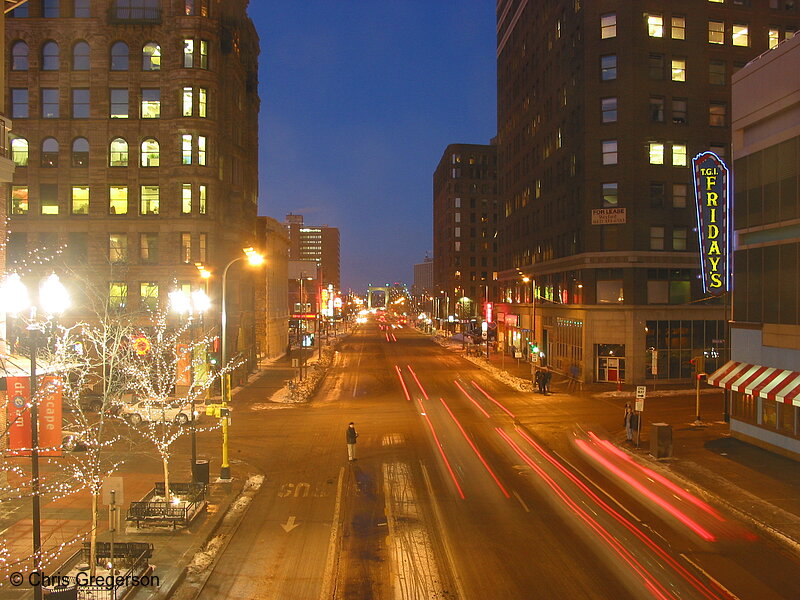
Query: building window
[[608, 107], [789, 32], [151, 103], [80, 103], [202, 102], [679, 237], [656, 109], [741, 35], [80, 200], [656, 153], [655, 66], [716, 114], [608, 67], [80, 152], [117, 295], [80, 56], [679, 110], [50, 56], [656, 238], [457, 232], [609, 152], [151, 57], [19, 152], [80, 9], [50, 9], [679, 191], [678, 28], [50, 103], [119, 103], [119, 56], [118, 200], [203, 54], [774, 37], [457, 217], [49, 152], [678, 69], [150, 153], [149, 200], [203, 247], [655, 25], [716, 72], [19, 103], [186, 149], [186, 248], [19, 56], [187, 98], [716, 32], [148, 248], [203, 199], [118, 153], [608, 26], [202, 144], [188, 53], [19, 200], [148, 293], [48, 199], [656, 194], [678, 155], [610, 194], [186, 199]]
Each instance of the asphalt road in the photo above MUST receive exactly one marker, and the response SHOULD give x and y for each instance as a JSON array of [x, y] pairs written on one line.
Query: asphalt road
[[465, 489]]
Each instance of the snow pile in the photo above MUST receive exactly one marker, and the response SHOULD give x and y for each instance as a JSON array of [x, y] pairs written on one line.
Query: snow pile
[[203, 559], [253, 483], [517, 383], [651, 393]]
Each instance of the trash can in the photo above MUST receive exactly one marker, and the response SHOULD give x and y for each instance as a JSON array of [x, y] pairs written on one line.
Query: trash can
[[200, 471], [661, 440]]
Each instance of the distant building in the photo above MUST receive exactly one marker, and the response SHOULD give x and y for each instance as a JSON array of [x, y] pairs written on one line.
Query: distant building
[[764, 373], [465, 217], [317, 243], [272, 289], [423, 277]]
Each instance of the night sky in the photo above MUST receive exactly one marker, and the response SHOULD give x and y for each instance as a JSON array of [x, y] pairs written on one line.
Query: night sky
[[358, 101]]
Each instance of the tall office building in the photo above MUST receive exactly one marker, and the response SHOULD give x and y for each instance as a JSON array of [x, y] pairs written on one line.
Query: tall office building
[[318, 243], [423, 277], [601, 106], [465, 213], [135, 138]]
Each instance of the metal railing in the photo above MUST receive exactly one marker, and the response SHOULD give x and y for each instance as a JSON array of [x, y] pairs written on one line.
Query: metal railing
[[193, 494]]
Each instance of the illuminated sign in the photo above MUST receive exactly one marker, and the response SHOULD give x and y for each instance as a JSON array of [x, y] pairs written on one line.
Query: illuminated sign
[[489, 312], [712, 192]]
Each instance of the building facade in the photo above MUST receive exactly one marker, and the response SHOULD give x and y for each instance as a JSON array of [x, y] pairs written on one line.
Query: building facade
[[423, 277], [318, 243], [465, 218], [135, 148], [272, 290], [601, 106], [764, 372]]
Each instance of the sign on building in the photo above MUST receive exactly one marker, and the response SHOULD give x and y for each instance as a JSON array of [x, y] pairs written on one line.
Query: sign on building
[[608, 216], [712, 193]]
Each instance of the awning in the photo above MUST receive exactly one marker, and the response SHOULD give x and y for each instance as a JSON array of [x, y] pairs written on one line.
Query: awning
[[780, 385]]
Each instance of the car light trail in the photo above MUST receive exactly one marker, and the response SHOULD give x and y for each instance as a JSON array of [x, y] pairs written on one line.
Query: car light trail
[[424, 413], [480, 408], [414, 375], [675, 489], [403, 383], [475, 449], [485, 393], [679, 568], [387, 336], [649, 580], [394, 339]]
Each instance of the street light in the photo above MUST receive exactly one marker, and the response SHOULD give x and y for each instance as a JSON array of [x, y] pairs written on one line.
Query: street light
[[53, 300], [254, 259]]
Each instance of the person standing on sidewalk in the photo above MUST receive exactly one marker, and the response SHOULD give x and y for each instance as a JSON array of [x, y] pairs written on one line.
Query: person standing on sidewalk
[[538, 381], [351, 436], [546, 377], [628, 422]]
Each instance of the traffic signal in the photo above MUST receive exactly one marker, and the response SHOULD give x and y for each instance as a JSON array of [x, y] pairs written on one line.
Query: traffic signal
[[213, 358], [534, 347], [699, 364]]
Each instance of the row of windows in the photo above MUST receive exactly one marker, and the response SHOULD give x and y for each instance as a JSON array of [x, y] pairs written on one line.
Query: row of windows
[[656, 153], [659, 239], [118, 199], [656, 66], [717, 111], [193, 149], [192, 102], [81, 9], [118, 248], [658, 199]]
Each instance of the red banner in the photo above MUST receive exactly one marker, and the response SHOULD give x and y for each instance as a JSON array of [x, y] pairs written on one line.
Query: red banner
[[19, 416], [50, 415]]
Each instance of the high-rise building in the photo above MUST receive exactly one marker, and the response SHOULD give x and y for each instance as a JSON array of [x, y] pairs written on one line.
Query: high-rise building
[[318, 243], [423, 277], [764, 372], [601, 106], [465, 214], [135, 138]]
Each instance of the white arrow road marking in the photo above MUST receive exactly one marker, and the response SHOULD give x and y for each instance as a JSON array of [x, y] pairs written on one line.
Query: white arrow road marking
[[289, 525]]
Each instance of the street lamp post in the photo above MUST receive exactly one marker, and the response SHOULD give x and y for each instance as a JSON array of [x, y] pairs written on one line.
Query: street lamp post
[[53, 300]]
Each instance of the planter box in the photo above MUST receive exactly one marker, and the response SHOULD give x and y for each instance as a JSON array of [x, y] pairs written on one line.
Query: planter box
[[153, 509]]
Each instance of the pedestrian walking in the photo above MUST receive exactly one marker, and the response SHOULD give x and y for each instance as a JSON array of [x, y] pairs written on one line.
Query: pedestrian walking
[[629, 419], [539, 381], [546, 377], [351, 441]]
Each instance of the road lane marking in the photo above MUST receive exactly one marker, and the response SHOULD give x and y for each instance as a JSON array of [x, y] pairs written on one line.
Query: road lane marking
[[441, 449], [414, 375], [521, 501], [290, 524], [466, 393], [358, 366], [326, 591], [712, 579], [405, 389], [485, 393]]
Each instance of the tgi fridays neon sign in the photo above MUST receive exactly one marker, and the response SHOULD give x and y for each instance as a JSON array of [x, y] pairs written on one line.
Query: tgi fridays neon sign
[[712, 192]]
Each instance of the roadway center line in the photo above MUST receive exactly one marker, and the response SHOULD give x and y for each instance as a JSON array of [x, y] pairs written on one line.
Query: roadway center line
[[708, 576], [358, 366], [521, 501], [326, 591]]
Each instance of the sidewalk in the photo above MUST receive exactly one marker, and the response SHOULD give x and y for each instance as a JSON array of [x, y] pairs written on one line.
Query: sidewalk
[[762, 487]]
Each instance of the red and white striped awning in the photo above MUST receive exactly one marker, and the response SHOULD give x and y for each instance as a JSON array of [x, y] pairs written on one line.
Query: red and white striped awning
[[780, 385]]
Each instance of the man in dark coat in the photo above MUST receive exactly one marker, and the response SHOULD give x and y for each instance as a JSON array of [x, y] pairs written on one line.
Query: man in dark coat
[[546, 377], [351, 436]]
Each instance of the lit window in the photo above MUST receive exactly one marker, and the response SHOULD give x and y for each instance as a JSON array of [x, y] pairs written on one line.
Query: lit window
[[656, 153], [608, 107], [119, 56], [117, 295], [186, 198], [186, 248], [151, 57], [119, 103], [203, 247], [80, 152], [151, 103], [19, 56], [716, 114], [150, 153], [203, 199], [50, 55], [741, 35], [188, 53], [148, 292], [679, 191], [118, 200], [789, 32], [655, 25], [774, 37], [149, 200], [609, 152], [678, 155], [19, 152], [19, 200], [656, 238], [679, 237], [716, 32], [117, 247], [608, 67], [608, 25], [186, 149], [148, 248], [678, 28], [201, 149], [118, 153], [202, 101], [186, 102], [610, 195], [203, 54], [80, 200], [678, 69]]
